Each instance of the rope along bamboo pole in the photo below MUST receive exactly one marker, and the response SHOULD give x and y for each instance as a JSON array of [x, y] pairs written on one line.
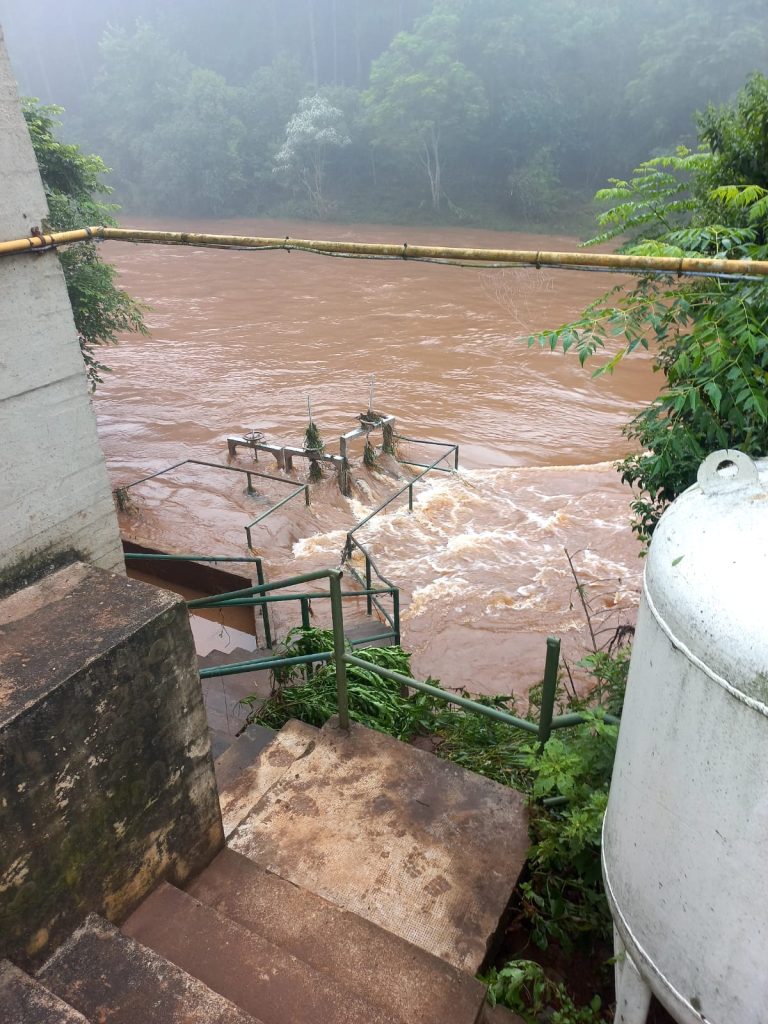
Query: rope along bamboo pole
[[602, 261]]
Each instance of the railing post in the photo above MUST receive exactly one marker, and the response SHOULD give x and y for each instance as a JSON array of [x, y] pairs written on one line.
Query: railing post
[[456, 458], [396, 615], [410, 497], [250, 483], [369, 599], [264, 611], [548, 689], [305, 613], [339, 649]]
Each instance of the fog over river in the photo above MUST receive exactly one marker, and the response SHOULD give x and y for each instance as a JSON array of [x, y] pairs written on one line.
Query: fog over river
[[240, 339]]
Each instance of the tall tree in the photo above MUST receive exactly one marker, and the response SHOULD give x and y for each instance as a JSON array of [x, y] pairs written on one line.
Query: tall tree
[[422, 98], [315, 129]]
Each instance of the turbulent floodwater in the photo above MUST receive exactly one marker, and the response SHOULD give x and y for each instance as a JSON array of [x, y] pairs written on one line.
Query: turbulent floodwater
[[240, 340]]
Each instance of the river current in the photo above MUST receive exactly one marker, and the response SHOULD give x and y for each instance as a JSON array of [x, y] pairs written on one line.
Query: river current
[[241, 340]]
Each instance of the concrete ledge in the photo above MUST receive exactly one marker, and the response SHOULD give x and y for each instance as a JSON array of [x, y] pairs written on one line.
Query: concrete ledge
[[106, 778]]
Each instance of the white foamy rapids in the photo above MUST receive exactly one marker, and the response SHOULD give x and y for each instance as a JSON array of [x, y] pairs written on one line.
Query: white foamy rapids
[[481, 561]]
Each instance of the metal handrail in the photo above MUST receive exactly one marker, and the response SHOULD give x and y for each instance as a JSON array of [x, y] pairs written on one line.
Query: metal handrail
[[249, 473], [341, 657], [252, 559], [352, 541]]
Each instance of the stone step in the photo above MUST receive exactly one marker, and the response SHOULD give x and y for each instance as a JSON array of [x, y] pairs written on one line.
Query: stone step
[[419, 846], [246, 771], [246, 968], [23, 1000], [499, 1015], [399, 977], [109, 977]]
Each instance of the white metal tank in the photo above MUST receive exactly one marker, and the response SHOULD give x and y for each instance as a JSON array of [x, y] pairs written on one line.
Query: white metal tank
[[685, 838]]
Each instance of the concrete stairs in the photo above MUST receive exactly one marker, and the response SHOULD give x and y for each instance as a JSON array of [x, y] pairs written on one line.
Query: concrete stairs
[[417, 845], [364, 881]]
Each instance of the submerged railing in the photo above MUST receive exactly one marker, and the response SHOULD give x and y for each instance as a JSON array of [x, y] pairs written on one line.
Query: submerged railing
[[249, 474], [341, 657], [353, 543]]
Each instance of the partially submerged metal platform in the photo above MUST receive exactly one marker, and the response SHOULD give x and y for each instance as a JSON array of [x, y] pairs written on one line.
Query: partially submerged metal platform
[[285, 454]]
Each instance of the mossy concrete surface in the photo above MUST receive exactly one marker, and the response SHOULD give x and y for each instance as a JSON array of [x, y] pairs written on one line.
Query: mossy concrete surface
[[106, 777]]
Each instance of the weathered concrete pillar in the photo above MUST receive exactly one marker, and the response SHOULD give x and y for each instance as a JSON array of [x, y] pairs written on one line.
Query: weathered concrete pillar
[[54, 491], [106, 777]]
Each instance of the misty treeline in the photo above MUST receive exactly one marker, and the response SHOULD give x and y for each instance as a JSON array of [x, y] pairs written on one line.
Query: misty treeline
[[494, 111]]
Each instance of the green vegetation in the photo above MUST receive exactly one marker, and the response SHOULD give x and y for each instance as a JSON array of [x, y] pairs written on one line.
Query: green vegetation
[[710, 334], [419, 112], [73, 185], [524, 987]]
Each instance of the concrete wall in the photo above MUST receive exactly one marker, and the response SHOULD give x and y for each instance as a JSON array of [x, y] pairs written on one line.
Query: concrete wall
[[54, 490], [106, 776]]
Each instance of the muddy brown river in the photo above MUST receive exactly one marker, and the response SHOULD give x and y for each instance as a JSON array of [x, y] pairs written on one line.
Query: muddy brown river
[[241, 339]]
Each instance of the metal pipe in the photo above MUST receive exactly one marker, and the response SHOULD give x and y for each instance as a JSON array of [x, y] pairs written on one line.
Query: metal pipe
[[548, 690], [304, 613], [368, 601], [339, 654], [610, 261]]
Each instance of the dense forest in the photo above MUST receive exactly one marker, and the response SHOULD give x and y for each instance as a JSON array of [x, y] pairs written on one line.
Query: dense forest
[[501, 112]]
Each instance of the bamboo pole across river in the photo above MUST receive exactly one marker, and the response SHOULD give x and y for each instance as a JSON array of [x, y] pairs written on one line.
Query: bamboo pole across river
[[405, 251]]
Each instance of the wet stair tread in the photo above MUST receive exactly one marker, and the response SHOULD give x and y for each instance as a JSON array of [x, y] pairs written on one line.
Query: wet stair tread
[[248, 969], [246, 771], [24, 1000], [109, 977], [417, 845], [400, 977]]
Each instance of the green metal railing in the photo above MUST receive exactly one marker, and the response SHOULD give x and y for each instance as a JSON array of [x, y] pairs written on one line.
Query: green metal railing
[[342, 657], [252, 560], [249, 474], [353, 543], [262, 595]]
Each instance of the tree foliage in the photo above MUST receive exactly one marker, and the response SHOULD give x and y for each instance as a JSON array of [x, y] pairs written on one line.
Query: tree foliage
[[422, 97], [316, 129], [480, 109], [73, 185], [710, 334]]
